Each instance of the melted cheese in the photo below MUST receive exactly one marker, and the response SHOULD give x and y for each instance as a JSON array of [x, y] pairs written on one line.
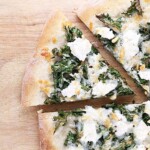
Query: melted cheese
[[141, 132], [101, 89], [130, 43], [122, 127], [89, 132], [91, 113], [145, 74], [80, 48], [72, 89], [105, 32]]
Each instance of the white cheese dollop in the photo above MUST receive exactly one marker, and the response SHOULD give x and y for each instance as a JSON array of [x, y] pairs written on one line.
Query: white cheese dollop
[[105, 32], [141, 132], [130, 107], [145, 74], [91, 113], [94, 59], [101, 89], [130, 40], [95, 70], [72, 89], [80, 48], [89, 132], [122, 127], [141, 147]]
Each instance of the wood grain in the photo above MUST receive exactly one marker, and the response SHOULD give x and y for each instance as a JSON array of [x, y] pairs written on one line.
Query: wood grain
[[21, 23]]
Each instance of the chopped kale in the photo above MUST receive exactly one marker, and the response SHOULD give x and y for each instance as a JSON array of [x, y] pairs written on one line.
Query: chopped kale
[[63, 52], [94, 50], [106, 19], [126, 143], [107, 43], [122, 110], [103, 63], [61, 119], [122, 90], [71, 138], [54, 98], [72, 33], [85, 70], [90, 145], [114, 72], [145, 30], [146, 119], [62, 70], [143, 81], [146, 60], [134, 8], [85, 87], [103, 77]]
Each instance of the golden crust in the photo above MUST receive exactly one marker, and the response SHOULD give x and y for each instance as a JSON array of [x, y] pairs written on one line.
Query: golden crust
[[53, 36], [113, 7], [52, 29], [31, 94], [46, 130]]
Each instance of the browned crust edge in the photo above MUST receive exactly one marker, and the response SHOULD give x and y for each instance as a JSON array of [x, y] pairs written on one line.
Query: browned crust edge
[[112, 7], [46, 132], [29, 84]]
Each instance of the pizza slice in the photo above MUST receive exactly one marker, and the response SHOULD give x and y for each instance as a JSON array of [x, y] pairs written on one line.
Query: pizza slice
[[67, 67], [113, 127], [123, 26]]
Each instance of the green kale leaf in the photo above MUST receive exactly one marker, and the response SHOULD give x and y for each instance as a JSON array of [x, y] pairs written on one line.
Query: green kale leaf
[[61, 119], [134, 8], [71, 138], [106, 19], [146, 119], [72, 33]]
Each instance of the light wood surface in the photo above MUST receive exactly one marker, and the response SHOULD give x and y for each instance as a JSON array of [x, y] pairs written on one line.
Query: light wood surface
[[21, 23]]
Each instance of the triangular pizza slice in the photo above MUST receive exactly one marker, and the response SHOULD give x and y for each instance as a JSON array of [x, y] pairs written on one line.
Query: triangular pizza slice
[[113, 127], [123, 26], [67, 67]]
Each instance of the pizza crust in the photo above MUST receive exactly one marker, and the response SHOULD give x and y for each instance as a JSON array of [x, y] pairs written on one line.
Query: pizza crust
[[53, 36], [46, 130], [48, 139], [113, 7]]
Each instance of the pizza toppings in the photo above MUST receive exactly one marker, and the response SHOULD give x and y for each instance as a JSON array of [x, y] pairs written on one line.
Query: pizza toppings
[[79, 72], [111, 23], [130, 44], [95, 129], [80, 48], [130, 40], [105, 32], [72, 33], [104, 88], [145, 74], [134, 8]]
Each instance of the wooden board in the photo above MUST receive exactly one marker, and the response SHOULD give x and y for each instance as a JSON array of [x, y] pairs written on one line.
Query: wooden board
[[21, 23]]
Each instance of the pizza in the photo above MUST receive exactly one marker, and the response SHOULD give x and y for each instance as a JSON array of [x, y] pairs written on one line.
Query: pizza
[[112, 127], [123, 26], [67, 67]]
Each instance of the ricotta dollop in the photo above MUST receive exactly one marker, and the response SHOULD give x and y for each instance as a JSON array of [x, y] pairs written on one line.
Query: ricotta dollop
[[80, 48]]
